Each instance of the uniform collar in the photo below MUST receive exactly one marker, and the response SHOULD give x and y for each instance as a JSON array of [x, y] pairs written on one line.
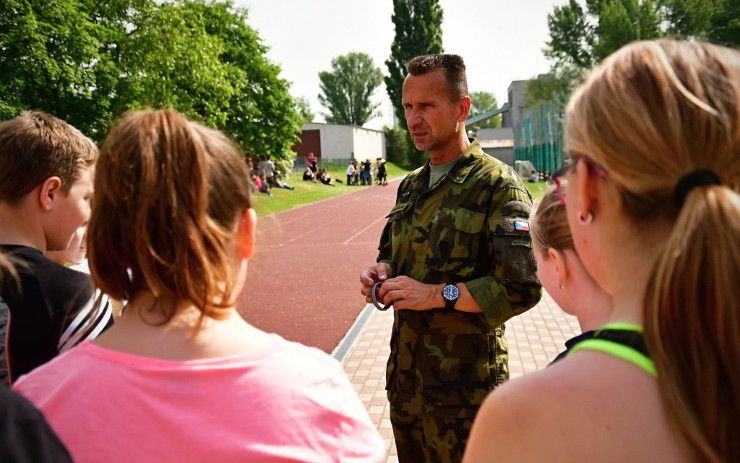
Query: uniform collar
[[465, 162]]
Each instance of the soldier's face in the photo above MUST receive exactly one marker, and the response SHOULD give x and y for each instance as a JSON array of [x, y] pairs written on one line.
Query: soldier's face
[[432, 119]]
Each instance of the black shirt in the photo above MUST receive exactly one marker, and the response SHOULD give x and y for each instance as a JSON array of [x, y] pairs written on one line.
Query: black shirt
[[51, 308], [24, 434]]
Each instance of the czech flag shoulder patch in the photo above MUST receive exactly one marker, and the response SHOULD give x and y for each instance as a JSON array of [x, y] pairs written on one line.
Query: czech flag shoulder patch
[[521, 225]]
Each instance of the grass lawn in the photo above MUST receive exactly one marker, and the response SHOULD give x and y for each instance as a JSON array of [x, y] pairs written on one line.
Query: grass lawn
[[538, 189], [308, 192]]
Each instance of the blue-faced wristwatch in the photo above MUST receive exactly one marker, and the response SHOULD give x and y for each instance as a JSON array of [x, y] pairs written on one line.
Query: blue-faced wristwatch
[[450, 294]]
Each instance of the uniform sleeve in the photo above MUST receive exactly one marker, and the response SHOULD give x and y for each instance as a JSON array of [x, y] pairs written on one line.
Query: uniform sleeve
[[384, 248], [512, 287]]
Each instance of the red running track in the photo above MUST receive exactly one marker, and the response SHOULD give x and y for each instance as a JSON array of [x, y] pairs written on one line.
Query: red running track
[[304, 279]]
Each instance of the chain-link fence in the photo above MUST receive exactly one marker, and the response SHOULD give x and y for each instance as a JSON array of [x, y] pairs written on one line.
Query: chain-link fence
[[539, 138]]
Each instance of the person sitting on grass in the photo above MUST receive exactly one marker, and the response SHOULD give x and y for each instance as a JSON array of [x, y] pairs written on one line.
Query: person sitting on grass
[[308, 175], [324, 177], [278, 180]]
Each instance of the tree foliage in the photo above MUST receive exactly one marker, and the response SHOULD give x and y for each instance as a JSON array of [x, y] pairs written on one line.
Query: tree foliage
[[88, 61], [582, 37], [418, 26], [347, 89], [418, 31], [483, 102], [725, 23], [304, 109], [397, 145], [560, 80]]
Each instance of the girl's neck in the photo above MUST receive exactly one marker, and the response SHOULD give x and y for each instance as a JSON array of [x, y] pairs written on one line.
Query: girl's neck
[[142, 330]]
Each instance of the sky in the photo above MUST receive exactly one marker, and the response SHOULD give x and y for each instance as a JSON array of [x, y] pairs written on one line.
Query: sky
[[500, 41]]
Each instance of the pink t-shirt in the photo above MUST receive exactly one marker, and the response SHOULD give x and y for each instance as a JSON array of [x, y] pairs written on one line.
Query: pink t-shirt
[[287, 402]]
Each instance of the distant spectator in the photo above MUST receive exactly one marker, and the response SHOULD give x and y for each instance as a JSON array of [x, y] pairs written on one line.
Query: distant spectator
[[382, 174], [352, 173], [308, 174], [265, 187], [279, 182], [268, 169], [366, 174], [324, 177], [312, 163], [260, 166]]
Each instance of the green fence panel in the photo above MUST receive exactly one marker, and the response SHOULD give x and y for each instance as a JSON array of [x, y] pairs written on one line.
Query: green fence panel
[[539, 137]]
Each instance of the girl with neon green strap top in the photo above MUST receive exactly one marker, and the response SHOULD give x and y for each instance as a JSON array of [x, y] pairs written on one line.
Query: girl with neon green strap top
[[653, 205]]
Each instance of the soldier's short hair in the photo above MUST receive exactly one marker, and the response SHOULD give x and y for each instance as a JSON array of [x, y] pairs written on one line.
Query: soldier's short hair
[[453, 67], [35, 146]]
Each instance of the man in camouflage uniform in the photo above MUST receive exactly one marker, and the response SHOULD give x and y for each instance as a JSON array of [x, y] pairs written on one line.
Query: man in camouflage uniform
[[461, 219]]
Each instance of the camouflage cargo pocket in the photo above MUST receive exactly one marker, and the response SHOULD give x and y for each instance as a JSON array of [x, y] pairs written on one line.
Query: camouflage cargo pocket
[[455, 369], [455, 237]]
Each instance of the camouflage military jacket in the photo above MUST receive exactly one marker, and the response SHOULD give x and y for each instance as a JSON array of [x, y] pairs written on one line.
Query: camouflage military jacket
[[470, 227]]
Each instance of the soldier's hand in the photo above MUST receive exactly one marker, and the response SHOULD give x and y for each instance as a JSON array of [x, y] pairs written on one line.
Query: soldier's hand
[[406, 293], [374, 274]]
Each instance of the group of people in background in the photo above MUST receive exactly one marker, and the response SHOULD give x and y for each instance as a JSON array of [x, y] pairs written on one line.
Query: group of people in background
[[639, 238], [314, 174], [363, 174], [265, 176]]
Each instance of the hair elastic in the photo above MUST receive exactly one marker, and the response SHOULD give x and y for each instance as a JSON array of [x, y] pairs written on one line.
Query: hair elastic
[[698, 177]]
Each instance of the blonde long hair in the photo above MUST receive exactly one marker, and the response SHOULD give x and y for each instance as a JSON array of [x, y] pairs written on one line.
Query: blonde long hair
[[652, 113], [168, 193]]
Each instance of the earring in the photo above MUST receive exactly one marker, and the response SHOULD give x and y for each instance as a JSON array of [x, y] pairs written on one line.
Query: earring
[[585, 220], [561, 286]]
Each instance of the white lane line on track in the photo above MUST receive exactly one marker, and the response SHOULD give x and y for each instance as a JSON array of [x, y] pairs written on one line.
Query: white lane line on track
[[363, 230]]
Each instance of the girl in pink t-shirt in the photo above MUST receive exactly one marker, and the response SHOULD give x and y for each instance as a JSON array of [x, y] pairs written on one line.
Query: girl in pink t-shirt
[[181, 376]]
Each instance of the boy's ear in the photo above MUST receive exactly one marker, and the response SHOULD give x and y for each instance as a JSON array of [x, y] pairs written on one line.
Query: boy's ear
[[50, 189], [247, 234]]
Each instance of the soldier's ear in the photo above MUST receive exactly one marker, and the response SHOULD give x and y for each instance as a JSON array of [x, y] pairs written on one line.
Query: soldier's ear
[[464, 106]]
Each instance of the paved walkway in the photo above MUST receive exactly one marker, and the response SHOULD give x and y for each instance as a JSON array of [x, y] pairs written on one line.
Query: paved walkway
[[535, 338]]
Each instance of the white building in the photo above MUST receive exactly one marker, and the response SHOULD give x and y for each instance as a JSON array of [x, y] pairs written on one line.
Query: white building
[[335, 142]]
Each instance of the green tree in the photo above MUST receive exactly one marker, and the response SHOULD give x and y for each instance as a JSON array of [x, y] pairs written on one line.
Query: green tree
[[482, 103], [87, 61], [262, 115], [170, 60], [304, 109], [560, 80], [725, 23], [689, 18], [346, 90], [580, 38], [50, 59], [418, 31], [572, 36], [418, 26], [397, 145]]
